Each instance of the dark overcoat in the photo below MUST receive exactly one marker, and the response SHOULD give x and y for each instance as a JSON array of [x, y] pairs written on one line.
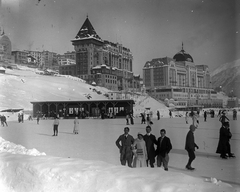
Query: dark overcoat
[[223, 140], [165, 146], [150, 140]]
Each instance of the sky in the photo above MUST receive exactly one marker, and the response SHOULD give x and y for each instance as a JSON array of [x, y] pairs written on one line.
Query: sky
[[208, 29]]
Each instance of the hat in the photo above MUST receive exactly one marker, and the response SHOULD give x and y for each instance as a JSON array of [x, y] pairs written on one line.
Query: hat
[[192, 127], [139, 133]]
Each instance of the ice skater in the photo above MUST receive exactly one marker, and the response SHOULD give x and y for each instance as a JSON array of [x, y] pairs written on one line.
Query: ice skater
[[55, 126], [186, 117], [224, 147], [76, 125], [205, 115], [190, 146], [4, 120]]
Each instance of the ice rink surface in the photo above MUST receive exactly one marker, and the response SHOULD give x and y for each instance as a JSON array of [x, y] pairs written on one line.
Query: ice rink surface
[[96, 141]]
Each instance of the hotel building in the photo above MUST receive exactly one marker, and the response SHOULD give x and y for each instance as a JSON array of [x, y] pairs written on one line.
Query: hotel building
[[179, 81]]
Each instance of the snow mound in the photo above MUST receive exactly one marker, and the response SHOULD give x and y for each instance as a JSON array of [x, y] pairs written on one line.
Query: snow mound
[[6, 146]]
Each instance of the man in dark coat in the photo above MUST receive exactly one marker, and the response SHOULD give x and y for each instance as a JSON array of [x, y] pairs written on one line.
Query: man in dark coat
[[205, 115], [163, 148], [190, 146], [150, 140], [223, 144], [125, 147]]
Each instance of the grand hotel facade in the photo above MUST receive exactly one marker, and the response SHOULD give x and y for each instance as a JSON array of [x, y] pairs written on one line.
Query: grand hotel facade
[[102, 62], [178, 81]]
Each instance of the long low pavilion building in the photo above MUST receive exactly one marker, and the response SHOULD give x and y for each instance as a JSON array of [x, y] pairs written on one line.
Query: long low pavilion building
[[81, 109]]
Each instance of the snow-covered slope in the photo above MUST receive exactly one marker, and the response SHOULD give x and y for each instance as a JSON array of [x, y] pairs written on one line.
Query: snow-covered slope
[[20, 87]]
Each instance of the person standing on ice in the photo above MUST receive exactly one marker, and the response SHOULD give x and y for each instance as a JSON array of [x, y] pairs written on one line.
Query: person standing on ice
[[150, 140], [190, 146], [55, 126], [223, 118], [164, 146], [158, 115], [224, 147], [186, 117], [140, 152], [125, 148], [205, 115], [76, 125]]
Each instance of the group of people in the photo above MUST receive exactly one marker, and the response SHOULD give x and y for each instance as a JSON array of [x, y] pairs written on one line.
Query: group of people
[[141, 152], [76, 125], [224, 147]]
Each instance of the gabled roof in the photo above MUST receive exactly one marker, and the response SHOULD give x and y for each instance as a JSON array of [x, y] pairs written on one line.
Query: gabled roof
[[87, 31]]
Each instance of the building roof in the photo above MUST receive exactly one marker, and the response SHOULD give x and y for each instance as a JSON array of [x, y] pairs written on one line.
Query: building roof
[[87, 31], [183, 56]]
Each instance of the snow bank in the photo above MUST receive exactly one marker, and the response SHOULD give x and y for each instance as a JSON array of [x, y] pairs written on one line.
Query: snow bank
[[27, 173], [6, 146], [21, 173]]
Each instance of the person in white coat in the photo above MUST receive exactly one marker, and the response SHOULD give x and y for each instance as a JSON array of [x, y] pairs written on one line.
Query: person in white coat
[[140, 152], [76, 125]]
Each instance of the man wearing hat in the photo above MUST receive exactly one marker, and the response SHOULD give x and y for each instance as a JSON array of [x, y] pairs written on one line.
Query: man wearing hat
[[190, 146], [125, 147], [163, 148], [150, 140]]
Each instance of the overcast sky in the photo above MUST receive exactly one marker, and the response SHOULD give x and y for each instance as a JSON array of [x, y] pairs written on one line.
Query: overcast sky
[[209, 29]]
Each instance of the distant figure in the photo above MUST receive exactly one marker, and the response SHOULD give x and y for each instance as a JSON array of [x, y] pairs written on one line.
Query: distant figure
[[140, 152], [30, 118], [164, 146], [170, 114], [158, 115], [186, 117], [55, 126], [4, 120], [125, 148], [149, 120], [194, 118], [234, 114], [143, 120], [22, 117], [131, 118], [219, 113], [19, 118], [127, 119], [205, 115], [150, 140], [223, 118], [38, 119], [190, 146], [76, 125]]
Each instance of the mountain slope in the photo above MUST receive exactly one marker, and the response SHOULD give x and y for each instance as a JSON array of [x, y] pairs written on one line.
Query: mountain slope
[[228, 77]]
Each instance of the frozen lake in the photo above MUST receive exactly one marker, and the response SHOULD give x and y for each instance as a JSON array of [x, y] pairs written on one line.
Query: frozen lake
[[96, 141]]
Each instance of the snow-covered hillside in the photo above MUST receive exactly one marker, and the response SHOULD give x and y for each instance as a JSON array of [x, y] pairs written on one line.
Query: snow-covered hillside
[[20, 87]]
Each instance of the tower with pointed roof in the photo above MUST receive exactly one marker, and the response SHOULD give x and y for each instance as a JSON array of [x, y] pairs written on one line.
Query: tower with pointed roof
[[100, 61], [85, 43]]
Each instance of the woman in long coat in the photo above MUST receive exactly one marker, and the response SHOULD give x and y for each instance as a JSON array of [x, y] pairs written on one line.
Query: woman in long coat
[[223, 141], [140, 152], [76, 125]]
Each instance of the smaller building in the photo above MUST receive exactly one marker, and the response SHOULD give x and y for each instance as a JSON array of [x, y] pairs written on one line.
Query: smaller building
[[87, 108], [2, 70]]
